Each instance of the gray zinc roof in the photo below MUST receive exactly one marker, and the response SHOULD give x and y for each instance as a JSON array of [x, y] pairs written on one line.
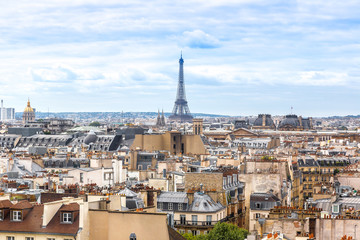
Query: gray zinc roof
[[174, 197], [204, 203]]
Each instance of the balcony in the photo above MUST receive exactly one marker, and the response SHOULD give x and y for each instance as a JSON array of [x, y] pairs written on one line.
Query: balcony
[[197, 223]]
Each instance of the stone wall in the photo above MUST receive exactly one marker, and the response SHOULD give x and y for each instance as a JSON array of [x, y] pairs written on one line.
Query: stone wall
[[210, 181], [334, 229]]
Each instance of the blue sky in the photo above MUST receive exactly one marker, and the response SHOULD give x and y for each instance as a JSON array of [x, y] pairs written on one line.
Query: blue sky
[[242, 57]]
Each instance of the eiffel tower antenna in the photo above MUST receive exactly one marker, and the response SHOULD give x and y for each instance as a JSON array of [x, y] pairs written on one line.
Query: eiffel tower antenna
[[181, 111]]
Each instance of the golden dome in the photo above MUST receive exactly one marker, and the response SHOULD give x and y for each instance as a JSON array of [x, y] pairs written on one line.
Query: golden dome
[[28, 108]]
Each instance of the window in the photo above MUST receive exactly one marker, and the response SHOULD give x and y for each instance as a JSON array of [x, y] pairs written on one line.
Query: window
[[50, 239], [182, 219], [132, 236], [1, 215], [10, 238], [182, 231], [194, 219], [257, 205], [180, 206], [16, 216], [108, 176], [67, 218], [81, 177], [29, 238], [257, 215], [208, 219], [335, 208], [160, 205], [170, 206]]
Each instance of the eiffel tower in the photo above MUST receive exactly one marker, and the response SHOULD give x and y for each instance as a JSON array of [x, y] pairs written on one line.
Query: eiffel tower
[[181, 110]]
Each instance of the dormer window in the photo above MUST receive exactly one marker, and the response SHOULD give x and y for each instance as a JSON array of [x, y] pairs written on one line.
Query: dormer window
[[16, 215], [67, 217], [335, 208]]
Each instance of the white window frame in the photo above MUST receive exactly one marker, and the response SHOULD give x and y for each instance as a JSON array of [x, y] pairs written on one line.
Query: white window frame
[[171, 206], [10, 238], [160, 205], [182, 216], [180, 206], [209, 219], [194, 219], [67, 217], [29, 238], [16, 215]]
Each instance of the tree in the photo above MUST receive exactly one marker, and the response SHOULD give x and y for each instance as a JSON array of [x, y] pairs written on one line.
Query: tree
[[221, 231], [95, 124], [227, 231], [189, 236]]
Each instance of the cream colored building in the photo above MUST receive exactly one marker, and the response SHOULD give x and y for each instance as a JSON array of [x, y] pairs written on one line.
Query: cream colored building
[[116, 225], [59, 220], [174, 142]]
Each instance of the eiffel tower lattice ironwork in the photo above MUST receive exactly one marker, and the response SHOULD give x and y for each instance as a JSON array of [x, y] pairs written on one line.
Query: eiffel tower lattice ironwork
[[181, 111]]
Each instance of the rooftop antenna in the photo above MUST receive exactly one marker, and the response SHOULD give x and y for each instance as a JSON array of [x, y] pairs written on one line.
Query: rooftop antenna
[[291, 110]]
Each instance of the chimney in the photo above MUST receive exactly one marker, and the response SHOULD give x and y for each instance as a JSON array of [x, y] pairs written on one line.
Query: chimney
[[190, 196]]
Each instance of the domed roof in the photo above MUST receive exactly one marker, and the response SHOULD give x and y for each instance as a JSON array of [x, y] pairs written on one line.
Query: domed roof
[[268, 121], [291, 120], [90, 138], [28, 107]]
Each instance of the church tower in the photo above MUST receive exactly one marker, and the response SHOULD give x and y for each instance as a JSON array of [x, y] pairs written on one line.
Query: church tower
[[29, 113]]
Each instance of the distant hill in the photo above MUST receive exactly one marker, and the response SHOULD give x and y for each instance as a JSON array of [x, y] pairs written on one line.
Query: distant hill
[[108, 115]]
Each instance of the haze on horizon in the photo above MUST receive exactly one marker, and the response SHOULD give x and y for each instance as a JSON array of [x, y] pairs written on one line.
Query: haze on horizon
[[242, 57]]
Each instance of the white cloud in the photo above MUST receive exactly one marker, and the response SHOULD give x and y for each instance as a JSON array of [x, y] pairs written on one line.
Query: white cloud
[[198, 39], [102, 51]]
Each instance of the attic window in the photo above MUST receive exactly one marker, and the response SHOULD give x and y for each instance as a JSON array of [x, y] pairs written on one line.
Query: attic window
[[335, 208], [16, 215], [67, 217]]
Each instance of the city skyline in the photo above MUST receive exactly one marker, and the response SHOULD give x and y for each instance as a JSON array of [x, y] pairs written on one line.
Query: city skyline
[[241, 57]]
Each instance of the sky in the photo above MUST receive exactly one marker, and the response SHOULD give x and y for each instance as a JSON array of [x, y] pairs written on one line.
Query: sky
[[241, 57]]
